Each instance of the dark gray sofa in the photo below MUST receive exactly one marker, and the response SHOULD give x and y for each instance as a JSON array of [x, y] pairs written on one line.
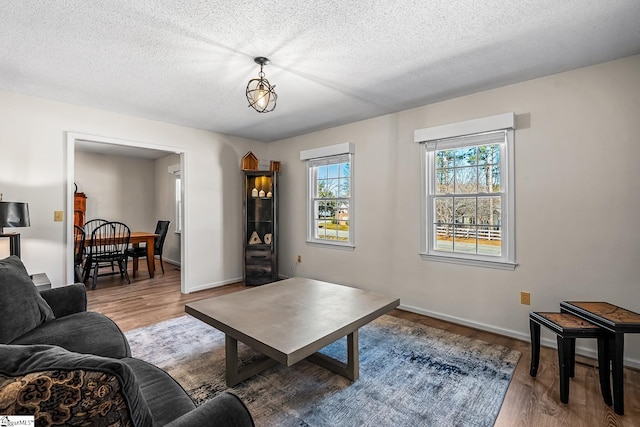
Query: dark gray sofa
[[67, 366]]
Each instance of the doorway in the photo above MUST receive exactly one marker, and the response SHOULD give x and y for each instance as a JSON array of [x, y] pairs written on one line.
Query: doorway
[[128, 149]]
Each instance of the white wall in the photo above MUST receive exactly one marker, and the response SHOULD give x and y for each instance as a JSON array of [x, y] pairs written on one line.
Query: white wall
[[577, 203], [118, 188], [33, 169]]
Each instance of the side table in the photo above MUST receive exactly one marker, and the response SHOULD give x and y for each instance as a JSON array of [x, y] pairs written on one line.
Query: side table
[[617, 321], [567, 328], [41, 281]]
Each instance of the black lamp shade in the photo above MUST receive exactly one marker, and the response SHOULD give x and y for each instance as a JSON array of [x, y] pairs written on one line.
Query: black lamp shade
[[14, 214]]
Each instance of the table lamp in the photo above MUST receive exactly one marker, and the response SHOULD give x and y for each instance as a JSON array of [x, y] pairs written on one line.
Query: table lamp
[[13, 214]]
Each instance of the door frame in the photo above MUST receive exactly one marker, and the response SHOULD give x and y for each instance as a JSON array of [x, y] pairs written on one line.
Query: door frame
[[72, 138]]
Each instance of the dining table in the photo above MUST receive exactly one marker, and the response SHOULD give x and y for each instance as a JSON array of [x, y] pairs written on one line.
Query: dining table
[[138, 237], [148, 238]]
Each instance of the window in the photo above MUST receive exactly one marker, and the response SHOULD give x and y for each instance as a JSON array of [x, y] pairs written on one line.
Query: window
[[330, 195], [177, 174], [178, 200], [468, 200]]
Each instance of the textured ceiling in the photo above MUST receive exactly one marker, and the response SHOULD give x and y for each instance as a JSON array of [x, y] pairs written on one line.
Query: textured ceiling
[[333, 62]]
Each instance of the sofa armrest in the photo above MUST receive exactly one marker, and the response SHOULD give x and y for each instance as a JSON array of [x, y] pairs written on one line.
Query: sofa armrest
[[66, 300], [60, 387], [225, 410]]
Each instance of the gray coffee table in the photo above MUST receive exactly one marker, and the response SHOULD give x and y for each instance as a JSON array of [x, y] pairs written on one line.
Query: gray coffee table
[[291, 320]]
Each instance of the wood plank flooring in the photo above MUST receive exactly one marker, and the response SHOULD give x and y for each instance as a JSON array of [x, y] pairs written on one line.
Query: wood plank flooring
[[528, 402]]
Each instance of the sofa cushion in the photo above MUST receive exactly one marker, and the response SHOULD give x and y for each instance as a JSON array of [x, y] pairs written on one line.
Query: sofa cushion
[[69, 388], [84, 332], [21, 306], [165, 398]]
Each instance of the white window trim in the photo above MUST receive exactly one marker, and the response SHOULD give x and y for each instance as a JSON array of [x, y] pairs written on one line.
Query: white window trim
[[488, 124], [318, 153]]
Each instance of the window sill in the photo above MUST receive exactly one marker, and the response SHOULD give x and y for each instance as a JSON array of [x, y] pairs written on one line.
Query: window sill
[[499, 265], [329, 244]]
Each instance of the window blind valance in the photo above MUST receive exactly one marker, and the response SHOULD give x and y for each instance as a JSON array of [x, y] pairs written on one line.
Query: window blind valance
[[488, 138], [482, 125], [329, 150], [324, 161]]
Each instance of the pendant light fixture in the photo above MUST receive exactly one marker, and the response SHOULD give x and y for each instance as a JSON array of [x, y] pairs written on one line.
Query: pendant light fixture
[[260, 93]]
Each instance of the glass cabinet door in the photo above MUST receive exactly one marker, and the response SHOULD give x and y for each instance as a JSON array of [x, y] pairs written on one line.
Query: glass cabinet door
[[260, 227]]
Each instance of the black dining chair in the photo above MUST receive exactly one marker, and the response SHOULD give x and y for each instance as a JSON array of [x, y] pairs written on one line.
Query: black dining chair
[[79, 238], [162, 227], [92, 224], [88, 228], [106, 248]]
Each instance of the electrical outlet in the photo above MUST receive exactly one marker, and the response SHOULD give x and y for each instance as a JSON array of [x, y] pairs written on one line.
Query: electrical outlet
[[525, 298], [57, 216], [299, 258]]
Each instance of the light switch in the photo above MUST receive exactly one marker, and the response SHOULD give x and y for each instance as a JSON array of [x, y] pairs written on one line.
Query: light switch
[[57, 216]]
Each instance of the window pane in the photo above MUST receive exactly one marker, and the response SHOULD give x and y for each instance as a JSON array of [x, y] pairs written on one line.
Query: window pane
[[342, 220], [444, 158], [465, 210], [497, 179], [464, 239], [466, 156], [333, 171], [345, 170], [489, 179], [320, 209], [344, 189], [322, 172], [490, 240], [325, 209], [444, 239], [489, 210], [467, 180], [444, 210], [327, 188], [489, 154], [320, 229], [321, 188], [444, 181], [332, 187]]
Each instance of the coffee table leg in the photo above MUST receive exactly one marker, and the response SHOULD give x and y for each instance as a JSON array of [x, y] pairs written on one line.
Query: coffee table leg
[[235, 376], [353, 356], [351, 369]]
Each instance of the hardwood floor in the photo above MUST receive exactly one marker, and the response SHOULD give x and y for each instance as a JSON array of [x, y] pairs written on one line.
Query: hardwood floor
[[528, 402]]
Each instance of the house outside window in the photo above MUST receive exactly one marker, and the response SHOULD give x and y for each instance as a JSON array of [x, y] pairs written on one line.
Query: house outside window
[[468, 192], [330, 210]]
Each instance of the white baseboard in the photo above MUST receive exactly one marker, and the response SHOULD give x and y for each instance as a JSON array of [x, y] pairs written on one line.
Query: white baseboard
[[581, 350], [171, 261], [215, 284]]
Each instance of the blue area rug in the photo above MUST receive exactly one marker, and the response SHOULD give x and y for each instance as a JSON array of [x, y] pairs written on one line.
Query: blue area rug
[[410, 375]]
